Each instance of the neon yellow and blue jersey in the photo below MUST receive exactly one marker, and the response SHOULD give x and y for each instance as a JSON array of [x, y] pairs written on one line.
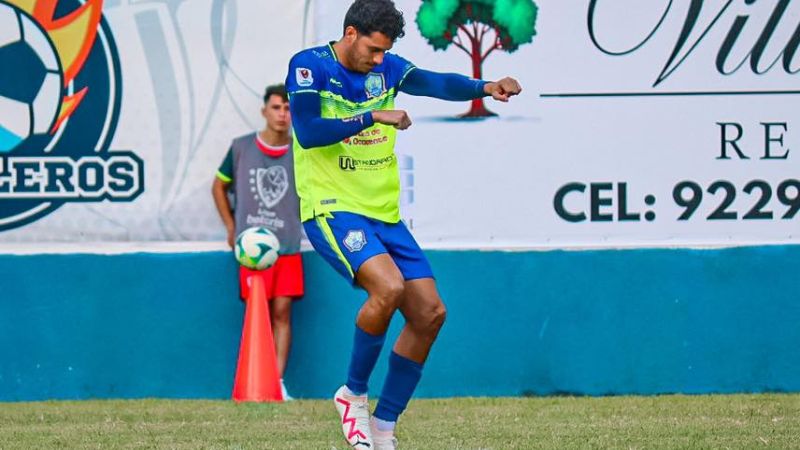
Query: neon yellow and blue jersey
[[343, 160]]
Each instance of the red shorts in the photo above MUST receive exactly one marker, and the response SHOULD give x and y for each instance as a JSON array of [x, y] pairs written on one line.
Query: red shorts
[[284, 279]]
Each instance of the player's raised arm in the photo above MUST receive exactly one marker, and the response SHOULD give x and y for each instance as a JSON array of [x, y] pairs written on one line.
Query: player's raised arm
[[502, 89], [312, 130], [456, 87]]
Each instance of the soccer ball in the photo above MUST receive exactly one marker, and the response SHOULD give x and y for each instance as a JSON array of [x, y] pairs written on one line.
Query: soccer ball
[[30, 81], [257, 248]]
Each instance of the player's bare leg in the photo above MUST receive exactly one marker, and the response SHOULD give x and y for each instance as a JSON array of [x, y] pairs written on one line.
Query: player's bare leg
[[281, 318], [425, 313], [384, 284]]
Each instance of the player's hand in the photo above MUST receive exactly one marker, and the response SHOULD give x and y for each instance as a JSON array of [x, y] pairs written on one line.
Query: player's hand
[[395, 117], [503, 89], [231, 237]]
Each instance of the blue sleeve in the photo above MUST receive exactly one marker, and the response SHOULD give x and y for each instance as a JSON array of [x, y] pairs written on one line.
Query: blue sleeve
[[401, 67], [305, 74], [445, 86], [313, 131], [303, 83]]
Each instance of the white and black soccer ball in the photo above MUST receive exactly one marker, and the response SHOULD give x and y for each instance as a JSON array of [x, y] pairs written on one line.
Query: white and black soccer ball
[[30, 79], [257, 248]]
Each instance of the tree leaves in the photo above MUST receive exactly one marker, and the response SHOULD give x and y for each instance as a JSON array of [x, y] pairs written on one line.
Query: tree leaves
[[514, 22]]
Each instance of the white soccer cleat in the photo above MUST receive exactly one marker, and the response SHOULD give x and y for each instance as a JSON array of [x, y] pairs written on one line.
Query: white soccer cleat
[[285, 393], [382, 440], [354, 415]]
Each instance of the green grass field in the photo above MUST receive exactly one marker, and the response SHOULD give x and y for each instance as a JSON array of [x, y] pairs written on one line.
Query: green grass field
[[690, 422]]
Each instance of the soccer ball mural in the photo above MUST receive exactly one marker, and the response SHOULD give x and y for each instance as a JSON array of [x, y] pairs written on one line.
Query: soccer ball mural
[[30, 95]]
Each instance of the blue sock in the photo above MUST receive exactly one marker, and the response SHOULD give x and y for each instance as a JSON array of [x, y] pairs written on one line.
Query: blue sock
[[402, 379], [366, 349]]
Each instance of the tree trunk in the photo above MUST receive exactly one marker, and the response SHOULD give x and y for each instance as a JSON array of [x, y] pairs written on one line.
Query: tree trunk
[[477, 109]]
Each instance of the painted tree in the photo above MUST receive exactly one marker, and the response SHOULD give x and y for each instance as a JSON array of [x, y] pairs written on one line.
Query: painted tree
[[478, 28]]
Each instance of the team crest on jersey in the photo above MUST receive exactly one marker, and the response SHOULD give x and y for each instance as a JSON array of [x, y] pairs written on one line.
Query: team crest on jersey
[[304, 77], [374, 84], [273, 183], [355, 240]]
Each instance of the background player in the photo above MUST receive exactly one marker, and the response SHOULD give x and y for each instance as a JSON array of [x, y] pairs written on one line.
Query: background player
[[259, 170]]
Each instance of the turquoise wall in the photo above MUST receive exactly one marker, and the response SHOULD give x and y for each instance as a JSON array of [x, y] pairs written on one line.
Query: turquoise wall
[[519, 323]]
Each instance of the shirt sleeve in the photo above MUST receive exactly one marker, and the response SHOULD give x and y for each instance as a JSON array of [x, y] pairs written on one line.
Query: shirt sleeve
[[305, 74], [225, 171], [401, 66], [445, 86], [303, 83]]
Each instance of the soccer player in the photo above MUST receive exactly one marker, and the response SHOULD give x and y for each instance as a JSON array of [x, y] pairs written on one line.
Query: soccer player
[[259, 169], [342, 102]]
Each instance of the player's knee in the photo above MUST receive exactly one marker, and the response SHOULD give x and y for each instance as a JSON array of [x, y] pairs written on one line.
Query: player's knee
[[430, 322], [282, 315], [437, 317], [390, 293], [282, 318]]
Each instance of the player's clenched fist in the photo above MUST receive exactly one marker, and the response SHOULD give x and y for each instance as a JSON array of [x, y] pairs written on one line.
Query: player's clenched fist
[[503, 89], [394, 117]]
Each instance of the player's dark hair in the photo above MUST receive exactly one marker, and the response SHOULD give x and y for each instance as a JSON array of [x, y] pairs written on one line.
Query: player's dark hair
[[276, 89], [369, 16]]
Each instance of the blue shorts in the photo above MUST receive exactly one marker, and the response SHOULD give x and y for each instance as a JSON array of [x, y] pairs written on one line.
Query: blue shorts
[[346, 240]]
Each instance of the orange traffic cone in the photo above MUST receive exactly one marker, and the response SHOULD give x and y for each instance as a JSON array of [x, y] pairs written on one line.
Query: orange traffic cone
[[257, 371]]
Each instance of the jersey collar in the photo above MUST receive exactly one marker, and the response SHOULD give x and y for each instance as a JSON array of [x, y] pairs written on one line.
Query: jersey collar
[[333, 52], [273, 152]]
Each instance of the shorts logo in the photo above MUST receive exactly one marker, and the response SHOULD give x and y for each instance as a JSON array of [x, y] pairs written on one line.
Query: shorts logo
[[304, 77], [60, 97], [374, 85], [355, 240]]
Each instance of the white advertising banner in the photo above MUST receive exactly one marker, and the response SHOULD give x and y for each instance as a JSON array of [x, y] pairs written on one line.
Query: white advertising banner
[[641, 123], [153, 92]]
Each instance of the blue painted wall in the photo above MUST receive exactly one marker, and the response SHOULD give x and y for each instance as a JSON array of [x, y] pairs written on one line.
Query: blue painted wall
[[588, 322]]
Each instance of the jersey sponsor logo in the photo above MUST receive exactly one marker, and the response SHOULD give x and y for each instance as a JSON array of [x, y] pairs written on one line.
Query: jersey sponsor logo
[[371, 136], [374, 85], [336, 82], [273, 223], [304, 77], [60, 99], [348, 163], [355, 240], [366, 141], [272, 184]]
